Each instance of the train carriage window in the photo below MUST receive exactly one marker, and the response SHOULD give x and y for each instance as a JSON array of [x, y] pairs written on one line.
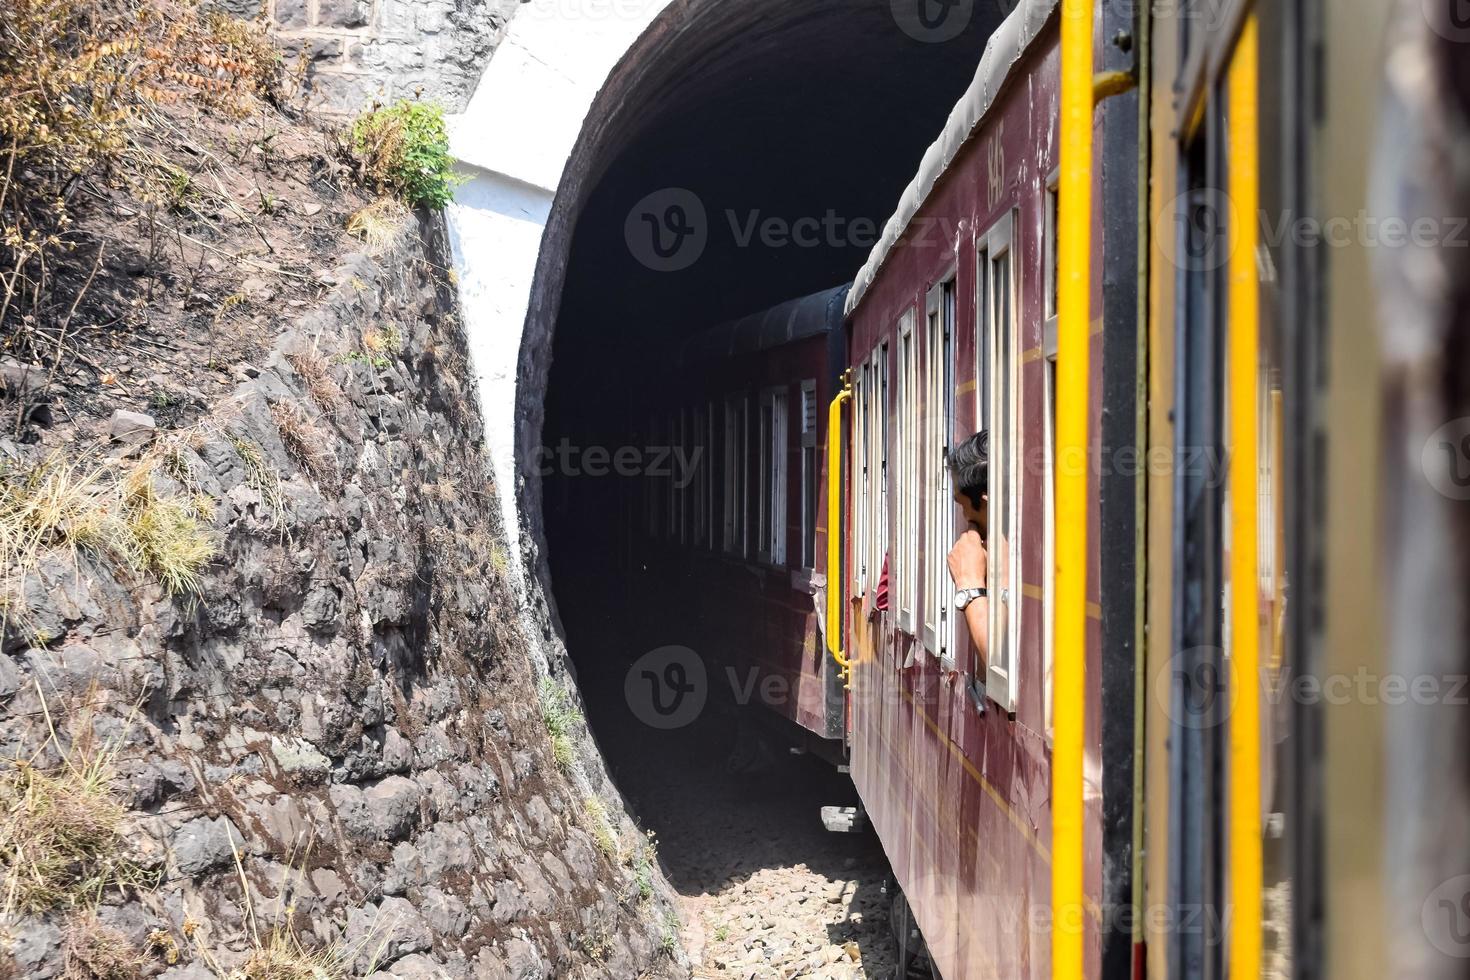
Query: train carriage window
[[938, 486], [694, 482], [906, 554], [773, 471], [765, 464], [743, 504], [999, 340], [809, 474], [736, 491], [878, 534], [678, 502], [1049, 439], [650, 494], [858, 467], [707, 475]]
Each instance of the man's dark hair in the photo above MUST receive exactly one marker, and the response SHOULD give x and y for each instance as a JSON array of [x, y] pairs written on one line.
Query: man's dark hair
[[969, 464]]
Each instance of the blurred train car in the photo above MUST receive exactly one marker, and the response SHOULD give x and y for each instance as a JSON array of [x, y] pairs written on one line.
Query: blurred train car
[[1236, 481], [734, 546]]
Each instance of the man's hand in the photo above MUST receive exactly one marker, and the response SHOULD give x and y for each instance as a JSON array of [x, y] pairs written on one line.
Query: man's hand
[[967, 561]]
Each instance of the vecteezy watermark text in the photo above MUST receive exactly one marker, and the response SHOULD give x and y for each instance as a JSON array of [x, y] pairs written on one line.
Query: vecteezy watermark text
[[677, 463]]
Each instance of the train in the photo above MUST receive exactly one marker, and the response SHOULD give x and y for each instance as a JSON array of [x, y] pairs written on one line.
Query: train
[[1120, 786]]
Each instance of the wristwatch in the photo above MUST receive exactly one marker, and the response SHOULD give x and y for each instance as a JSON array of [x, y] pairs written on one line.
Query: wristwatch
[[964, 597]]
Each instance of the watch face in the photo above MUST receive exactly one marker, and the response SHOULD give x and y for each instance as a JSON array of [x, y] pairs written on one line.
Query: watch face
[[961, 599]]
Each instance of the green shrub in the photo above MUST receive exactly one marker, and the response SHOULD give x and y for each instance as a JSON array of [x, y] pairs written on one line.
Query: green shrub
[[405, 148]]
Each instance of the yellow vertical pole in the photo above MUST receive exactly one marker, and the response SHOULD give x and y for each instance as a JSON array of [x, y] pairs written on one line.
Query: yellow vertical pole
[[1074, 292], [1245, 631], [836, 587]]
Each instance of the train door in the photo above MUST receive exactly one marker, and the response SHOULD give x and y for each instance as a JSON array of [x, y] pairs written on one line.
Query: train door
[[1224, 847]]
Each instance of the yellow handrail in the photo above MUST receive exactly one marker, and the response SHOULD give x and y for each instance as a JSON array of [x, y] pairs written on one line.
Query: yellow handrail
[[835, 585], [1245, 629], [1069, 631]]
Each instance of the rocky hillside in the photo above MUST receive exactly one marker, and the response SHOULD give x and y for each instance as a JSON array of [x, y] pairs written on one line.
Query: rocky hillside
[[267, 705]]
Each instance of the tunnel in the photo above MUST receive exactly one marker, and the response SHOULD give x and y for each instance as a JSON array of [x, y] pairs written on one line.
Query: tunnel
[[766, 144]]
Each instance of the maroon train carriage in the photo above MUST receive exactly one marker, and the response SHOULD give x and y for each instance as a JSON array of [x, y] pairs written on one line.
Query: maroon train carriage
[[736, 552], [952, 329]]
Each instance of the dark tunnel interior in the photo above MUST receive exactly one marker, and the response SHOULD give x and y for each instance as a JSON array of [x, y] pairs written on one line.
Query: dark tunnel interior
[[820, 113]]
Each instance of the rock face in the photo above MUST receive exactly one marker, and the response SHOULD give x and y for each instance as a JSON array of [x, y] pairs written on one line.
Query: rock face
[[356, 51], [350, 708]]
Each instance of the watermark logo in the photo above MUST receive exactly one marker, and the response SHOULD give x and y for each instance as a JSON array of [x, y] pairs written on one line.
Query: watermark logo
[[1445, 459], [1195, 232], [1193, 689], [1450, 20], [1445, 916], [667, 688], [932, 21], [667, 231]]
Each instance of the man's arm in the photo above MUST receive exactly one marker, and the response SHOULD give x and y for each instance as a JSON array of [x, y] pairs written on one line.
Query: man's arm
[[968, 567]]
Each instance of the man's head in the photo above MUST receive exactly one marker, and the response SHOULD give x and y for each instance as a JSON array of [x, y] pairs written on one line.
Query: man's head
[[969, 465]]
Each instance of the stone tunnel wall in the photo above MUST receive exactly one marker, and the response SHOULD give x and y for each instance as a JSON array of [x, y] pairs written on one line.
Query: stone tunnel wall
[[352, 52], [353, 703]]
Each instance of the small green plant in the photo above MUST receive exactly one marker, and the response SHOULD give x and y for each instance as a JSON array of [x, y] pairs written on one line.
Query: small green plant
[[643, 875], [405, 148], [597, 943], [722, 932], [670, 941], [384, 340], [560, 718], [378, 361]]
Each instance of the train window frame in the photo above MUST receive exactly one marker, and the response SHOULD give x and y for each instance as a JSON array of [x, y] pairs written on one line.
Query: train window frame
[[775, 468], [878, 533], [678, 499], [1049, 445], [707, 477], [906, 563], [937, 484], [811, 488], [736, 489], [857, 475], [998, 246], [1050, 193]]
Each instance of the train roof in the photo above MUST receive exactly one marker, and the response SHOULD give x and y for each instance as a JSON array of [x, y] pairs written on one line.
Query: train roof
[[795, 319], [1005, 49]]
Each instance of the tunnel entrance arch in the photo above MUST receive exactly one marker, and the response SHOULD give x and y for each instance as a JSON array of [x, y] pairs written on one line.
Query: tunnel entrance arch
[[786, 132]]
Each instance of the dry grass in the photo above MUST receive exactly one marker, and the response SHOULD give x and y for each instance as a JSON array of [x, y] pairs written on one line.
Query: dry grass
[[387, 339], [94, 951], [79, 83], [65, 506], [600, 827], [320, 385], [260, 476], [305, 442], [60, 831], [378, 224], [277, 951]]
